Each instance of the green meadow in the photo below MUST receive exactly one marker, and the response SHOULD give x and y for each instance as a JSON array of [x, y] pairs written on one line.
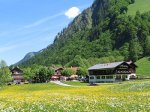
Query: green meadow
[[143, 69], [139, 5], [129, 96]]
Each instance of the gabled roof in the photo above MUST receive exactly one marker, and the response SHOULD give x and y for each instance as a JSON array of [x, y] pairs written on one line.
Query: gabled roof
[[105, 66], [16, 69]]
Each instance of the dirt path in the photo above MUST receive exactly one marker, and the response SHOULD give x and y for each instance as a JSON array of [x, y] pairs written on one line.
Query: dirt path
[[59, 83]]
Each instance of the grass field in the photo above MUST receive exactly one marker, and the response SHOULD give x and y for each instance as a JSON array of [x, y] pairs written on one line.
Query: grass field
[[141, 5], [76, 83], [143, 67], [132, 96]]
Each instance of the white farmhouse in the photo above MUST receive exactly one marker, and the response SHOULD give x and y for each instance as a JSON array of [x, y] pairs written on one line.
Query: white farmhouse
[[112, 72]]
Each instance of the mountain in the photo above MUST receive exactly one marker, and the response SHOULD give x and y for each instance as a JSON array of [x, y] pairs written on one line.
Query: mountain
[[102, 33], [27, 57]]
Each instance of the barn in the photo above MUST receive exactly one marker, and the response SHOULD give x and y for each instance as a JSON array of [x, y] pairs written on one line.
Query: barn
[[112, 72]]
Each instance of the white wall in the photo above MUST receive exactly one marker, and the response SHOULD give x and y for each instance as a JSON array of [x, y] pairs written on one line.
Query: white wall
[[95, 80]]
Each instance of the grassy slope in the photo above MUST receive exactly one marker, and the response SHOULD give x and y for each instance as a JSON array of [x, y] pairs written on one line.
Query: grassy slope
[[125, 97], [141, 5], [143, 67]]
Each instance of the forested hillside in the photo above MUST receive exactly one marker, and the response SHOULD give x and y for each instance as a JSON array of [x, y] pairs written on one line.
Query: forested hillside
[[102, 33]]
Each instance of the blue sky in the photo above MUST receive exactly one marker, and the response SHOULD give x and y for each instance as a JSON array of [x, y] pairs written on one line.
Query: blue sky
[[31, 25]]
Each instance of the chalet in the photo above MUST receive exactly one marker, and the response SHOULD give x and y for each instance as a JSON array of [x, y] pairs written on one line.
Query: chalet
[[112, 72], [17, 75], [57, 75]]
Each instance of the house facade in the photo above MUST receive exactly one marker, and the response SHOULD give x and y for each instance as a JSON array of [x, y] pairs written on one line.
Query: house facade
[[57, 75], [17, 75], [112, 72]]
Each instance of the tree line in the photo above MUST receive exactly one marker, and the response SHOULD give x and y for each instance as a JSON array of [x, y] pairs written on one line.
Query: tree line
[[41, 74], [38, 73]]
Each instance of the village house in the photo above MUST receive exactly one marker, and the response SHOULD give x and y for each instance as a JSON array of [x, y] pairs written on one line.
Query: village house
[[17, 75], [112, 72], [57, 75]]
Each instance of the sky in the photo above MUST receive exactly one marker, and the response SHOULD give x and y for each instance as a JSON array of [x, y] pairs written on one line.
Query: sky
[[31, 25]]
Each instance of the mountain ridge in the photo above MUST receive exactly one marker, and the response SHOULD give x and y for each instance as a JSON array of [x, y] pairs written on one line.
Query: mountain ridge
[[27, 57], [102, 30]]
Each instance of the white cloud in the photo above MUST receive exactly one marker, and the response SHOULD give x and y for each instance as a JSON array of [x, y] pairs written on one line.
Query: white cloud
[[72, 12]]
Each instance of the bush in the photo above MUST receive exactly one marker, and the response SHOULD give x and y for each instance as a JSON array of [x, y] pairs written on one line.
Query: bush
[[68, 72], [82, 72]]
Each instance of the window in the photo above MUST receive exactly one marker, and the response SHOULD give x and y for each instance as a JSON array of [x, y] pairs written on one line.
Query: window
[[98, 77], [109, 77], [91, 77], [91, 72], [103, 77]]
